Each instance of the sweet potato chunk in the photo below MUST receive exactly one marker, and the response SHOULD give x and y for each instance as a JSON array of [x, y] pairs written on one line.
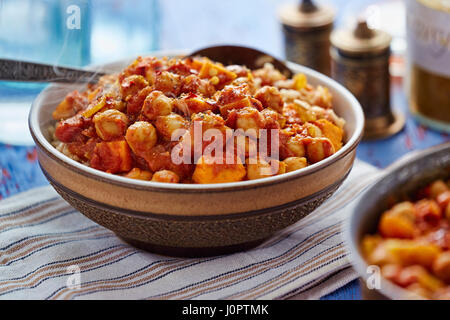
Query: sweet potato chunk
[[404, 252], [156, 104], [139, 174], [332, 132], [112, 157], [260, 168], [399, 221], [210, 70], [70, 106], [70, 130], [295, 163], [207, 171], [270, 97]]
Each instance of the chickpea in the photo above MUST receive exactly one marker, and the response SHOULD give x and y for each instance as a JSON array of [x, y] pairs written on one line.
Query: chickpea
[[418, 278], [270, 97], [437, 187], [141, 137], [168, 83], [443, 199], [398, 222], [442, 294], [245, 146], [193, 83], [165, 176], [249, 118], [313, 130], [419, 290], [156, 104], [428, 210], [273, 120], [240, 71], [110, 124], [319, 149], [404, 209], [232, 94], [447, 212], [391, 271], [295, 146], [441, 266], [139, 174], [204, 120], [209, 120], [299, 112], [295, 163], [322, 97], [131, 85], [268, 74], [260, 168], [369, 244], [167, 125]]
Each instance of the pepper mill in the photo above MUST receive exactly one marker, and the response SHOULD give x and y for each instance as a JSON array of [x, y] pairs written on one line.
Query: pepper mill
[[360, 62], [306, 30]]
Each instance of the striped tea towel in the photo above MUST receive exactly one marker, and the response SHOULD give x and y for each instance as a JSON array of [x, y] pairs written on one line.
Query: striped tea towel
[[48, 250]]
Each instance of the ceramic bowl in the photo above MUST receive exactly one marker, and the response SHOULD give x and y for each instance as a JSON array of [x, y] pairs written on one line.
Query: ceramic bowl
[[189, 219], [410, 173]]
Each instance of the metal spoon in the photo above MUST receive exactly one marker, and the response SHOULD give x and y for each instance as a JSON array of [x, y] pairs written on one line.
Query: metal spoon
[[16, 70], [252, 58]]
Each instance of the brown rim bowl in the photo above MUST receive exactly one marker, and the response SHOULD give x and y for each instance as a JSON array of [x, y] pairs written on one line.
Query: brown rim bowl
[[189, 219], [406, 175]]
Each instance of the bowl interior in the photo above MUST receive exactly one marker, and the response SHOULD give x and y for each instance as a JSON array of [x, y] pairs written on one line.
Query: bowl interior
[[400, 180], [345, 105]]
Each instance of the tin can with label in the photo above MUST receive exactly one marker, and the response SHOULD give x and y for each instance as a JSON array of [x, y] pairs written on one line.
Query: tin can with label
[[306, 30], [428, 85]]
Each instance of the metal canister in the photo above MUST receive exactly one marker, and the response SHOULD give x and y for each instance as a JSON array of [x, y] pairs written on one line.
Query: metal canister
[[360, 62], [306, 29]]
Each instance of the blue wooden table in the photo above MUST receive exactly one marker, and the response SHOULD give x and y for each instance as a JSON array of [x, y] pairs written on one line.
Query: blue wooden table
[[193, 24]]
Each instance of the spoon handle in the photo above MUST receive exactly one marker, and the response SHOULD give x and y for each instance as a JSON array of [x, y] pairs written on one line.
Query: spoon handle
[[16, 70]]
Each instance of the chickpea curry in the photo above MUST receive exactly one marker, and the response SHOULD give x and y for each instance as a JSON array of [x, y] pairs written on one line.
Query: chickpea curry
[[126, 123], [412, 246]]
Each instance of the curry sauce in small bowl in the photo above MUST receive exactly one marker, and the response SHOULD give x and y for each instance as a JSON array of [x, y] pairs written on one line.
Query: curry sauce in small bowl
[[399, 232]]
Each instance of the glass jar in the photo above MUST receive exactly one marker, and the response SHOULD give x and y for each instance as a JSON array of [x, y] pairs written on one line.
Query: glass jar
[[428, 36], [68, 33]]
